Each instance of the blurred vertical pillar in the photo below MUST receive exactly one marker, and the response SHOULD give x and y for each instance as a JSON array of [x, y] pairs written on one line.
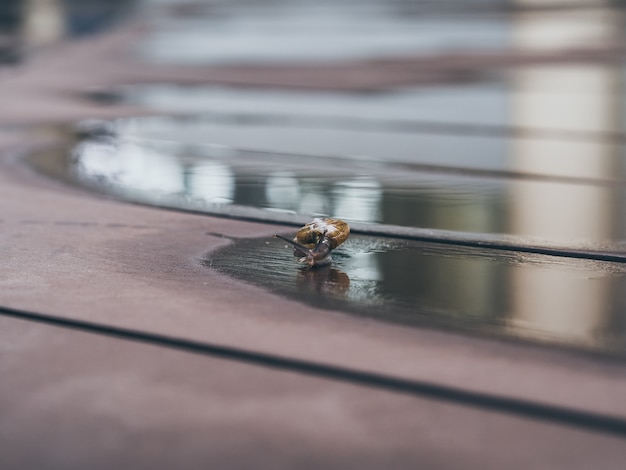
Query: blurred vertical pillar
[[573, 98], [44, 22]]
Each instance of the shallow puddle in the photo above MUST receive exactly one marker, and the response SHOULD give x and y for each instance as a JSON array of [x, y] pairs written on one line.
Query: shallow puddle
[[577, 303]]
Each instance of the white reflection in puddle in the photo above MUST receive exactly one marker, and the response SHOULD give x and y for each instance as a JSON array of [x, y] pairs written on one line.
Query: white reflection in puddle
[[358, 199], [282, 190], [130, 166], [212, 182], [313, 202], [578, 98], [96, 160]]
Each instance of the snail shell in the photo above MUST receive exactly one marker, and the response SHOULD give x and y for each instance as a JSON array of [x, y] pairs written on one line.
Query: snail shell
[[314, 242], [337, 232]]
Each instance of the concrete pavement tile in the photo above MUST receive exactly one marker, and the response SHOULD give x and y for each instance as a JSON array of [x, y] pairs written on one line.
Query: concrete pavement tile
[[78, 400]]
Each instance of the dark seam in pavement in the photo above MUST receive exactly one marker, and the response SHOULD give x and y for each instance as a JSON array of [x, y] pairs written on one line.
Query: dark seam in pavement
[[555, 414], [613, 257]]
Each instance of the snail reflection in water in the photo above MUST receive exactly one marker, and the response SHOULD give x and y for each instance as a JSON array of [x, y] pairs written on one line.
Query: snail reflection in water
[[324, 280], [314, 242]]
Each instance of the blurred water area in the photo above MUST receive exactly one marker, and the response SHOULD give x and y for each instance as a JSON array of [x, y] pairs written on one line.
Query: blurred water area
[[349, 155], [295, 31]]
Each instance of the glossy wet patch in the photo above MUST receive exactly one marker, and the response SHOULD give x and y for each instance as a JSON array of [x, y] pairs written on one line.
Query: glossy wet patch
[[568, 302]]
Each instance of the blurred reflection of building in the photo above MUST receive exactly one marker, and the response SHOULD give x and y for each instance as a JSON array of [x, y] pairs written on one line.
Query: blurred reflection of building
[[282, 190], [432, 282], [358, 199], [579, 99], [210, 181], [457, 285]]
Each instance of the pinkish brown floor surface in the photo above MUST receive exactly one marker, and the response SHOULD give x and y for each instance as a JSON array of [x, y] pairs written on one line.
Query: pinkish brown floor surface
[[137, 356]]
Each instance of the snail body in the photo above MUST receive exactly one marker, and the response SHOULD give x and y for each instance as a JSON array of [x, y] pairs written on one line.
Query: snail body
[[314, 242]]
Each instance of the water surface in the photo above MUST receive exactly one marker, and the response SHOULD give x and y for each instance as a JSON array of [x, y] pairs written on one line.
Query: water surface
[[559, 301]]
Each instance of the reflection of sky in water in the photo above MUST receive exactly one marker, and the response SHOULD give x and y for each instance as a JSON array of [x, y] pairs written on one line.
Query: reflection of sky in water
[[476, 103], [358, 191], [190, 159], [563, 117], [288, 31], [358, 198], [283, 190], [131, 166], [211, 181]]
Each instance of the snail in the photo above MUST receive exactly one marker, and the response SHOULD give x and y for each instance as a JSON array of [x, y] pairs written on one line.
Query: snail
[[314, 242]]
